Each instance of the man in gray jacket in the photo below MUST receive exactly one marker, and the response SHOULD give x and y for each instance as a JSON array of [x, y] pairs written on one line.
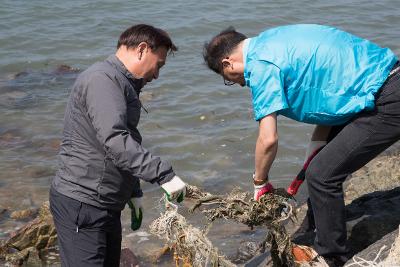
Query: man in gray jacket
[[101, 157]]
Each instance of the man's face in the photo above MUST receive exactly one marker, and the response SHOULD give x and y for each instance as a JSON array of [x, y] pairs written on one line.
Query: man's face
[[151, 63], [232, 78], [233, 72]]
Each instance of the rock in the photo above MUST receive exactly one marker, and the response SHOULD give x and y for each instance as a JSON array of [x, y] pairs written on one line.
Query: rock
[[9, 138], [54, 144], [38, 171], [39, 234], [65, 69], [3, 211], [382, 173], [17, 258], [20, 74], [128, 258], [383, 246], [372, 216], [6, 137], [34, 259], [246, 251], [372, 195], [24, 214]]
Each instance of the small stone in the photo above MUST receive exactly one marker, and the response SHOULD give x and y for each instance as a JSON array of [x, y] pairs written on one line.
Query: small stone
[[43, 229], [41, 242], [52, 241], [54, 144], [65, 69], [27, 240], [23, 214], [128, 258]]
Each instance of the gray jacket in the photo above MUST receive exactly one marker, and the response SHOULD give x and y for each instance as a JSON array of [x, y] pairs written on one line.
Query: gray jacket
[[101, 157]]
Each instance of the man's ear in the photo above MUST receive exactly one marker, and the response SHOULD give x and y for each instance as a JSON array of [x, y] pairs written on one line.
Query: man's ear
[[226, 62], [142, 48]]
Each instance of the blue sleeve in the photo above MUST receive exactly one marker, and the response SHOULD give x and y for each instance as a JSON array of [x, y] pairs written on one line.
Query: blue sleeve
[[267, 89]]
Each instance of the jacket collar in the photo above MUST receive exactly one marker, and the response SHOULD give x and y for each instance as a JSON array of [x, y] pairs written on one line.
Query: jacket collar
[[137, 83]]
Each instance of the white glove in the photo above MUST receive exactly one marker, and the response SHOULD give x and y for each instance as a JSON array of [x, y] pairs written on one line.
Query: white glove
[[175, 189]]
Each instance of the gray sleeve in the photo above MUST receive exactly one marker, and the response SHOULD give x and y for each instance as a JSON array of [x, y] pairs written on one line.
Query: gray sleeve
[[106, 108]]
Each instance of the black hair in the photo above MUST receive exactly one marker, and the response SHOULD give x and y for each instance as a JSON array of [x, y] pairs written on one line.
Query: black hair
[[154, 37], [220, 47]]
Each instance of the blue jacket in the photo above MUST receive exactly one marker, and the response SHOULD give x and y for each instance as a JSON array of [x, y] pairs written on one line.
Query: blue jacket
[[313, 73]]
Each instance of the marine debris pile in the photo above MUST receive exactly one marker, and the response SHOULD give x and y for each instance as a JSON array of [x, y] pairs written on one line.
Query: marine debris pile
[[191, 245]]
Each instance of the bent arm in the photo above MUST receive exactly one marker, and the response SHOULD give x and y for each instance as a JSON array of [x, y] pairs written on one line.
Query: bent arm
[[266, 147], [107, 111]]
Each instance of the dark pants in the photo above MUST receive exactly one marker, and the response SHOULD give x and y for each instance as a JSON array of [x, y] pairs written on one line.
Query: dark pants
[[87, 235], [358, 142]]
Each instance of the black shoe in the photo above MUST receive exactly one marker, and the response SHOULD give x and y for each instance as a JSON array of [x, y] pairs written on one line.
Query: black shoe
[[334, 261]]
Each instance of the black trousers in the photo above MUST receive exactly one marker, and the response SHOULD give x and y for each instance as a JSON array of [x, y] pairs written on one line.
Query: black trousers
[[87, 235], [351, 147]]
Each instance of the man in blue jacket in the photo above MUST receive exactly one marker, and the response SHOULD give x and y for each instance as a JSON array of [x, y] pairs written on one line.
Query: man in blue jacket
[[101, 156], [345, 85]]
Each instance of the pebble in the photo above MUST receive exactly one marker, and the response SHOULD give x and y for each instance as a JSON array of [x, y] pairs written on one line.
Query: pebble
[[23, 214]]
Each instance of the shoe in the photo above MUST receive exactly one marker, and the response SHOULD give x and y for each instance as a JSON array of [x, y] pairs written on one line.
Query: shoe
[[334, 261], [306, 254]]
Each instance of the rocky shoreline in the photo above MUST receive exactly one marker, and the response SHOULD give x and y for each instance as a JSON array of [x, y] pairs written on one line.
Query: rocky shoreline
[[372, 197]]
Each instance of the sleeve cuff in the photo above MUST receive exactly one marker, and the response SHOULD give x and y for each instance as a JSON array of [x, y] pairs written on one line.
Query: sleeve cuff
[[166, 178], [258, 115]]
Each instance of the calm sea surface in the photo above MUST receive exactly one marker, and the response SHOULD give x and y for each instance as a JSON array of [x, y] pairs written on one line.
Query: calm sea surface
[[203, 128]]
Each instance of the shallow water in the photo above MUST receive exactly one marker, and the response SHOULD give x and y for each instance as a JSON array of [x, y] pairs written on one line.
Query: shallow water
[[203, 128]]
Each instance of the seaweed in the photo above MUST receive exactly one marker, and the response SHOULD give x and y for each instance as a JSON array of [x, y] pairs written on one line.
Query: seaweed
[[192, 246]]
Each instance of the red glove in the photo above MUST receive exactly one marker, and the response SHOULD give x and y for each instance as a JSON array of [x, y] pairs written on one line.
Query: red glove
[[262, 189], [313, 149]]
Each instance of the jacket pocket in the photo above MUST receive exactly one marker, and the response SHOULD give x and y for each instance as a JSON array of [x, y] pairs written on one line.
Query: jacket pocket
[[116, 185], [91, 217]]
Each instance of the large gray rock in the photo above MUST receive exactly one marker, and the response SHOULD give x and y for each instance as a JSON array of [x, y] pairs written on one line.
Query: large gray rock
[[372, 216], [381, 247]]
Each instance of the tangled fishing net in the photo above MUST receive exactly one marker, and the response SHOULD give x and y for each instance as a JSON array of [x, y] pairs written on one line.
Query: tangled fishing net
[[192, 246]]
